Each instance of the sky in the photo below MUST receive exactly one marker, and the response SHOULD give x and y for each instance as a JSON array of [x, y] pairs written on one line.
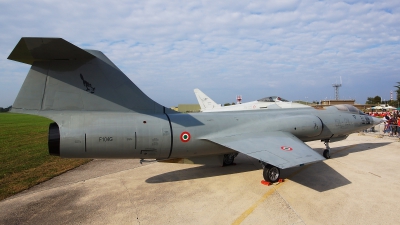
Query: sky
[[293, 49]]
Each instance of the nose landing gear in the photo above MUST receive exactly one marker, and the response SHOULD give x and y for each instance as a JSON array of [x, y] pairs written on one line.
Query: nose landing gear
[[326, 152]]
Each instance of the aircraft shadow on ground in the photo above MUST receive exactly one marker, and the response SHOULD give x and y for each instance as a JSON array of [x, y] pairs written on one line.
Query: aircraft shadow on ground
[[347, 149], [318, 176], [200, 172]]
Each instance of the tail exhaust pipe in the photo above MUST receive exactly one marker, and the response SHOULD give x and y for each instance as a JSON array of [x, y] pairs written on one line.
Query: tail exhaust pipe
[[54, 139]]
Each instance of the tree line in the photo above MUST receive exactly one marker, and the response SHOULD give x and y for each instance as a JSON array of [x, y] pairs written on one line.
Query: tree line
[[378, 100], [5, 109]]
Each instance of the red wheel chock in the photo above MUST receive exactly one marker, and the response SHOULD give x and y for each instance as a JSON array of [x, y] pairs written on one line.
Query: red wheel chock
[[266, 183]]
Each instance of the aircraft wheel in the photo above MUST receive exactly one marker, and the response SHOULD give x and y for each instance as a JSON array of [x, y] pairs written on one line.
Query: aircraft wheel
[[326, 154], [228, 159], [271, 173]]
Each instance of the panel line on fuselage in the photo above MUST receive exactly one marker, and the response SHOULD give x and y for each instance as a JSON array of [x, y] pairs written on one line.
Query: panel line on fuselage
[[85, 142], [172, 139]]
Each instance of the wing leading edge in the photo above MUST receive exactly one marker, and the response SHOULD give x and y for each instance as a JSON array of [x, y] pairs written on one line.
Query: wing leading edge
[[277, 148]]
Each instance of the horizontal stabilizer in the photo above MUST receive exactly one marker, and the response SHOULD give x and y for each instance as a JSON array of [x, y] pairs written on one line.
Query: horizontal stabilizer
[[29, 50]]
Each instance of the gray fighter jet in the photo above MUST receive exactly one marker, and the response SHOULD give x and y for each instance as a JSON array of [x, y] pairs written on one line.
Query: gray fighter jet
[[99, 113]]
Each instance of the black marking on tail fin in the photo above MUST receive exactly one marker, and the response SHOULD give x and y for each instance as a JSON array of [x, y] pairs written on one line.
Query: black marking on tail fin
[[87, 85]]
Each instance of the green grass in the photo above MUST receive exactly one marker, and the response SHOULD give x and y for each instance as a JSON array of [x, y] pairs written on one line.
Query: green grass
[[24, 157]]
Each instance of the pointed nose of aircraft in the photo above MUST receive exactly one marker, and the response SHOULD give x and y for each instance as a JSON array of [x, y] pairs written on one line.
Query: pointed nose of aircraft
[[377, 121]]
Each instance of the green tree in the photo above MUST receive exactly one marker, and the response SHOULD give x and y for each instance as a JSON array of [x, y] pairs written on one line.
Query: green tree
[[370, 100], [5, 109], [228, 104], [373, 100], [398, 90], [394, 103], [377, 99]]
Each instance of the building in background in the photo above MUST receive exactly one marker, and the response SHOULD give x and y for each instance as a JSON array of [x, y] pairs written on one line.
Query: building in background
[[337, 102], [188, 108]]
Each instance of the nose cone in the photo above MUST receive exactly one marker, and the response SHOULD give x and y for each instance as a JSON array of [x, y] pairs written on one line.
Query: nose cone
[[376, 121]]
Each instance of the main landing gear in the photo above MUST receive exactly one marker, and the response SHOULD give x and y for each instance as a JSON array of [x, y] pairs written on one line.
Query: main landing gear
[[326, 152], [229, 158], [271, 173]]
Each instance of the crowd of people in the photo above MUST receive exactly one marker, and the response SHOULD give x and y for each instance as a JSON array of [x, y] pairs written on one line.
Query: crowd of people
[[391, 122]]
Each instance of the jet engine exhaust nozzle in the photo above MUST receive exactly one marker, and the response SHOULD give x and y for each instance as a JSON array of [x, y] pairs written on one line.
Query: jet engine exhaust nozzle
[[54, 139]]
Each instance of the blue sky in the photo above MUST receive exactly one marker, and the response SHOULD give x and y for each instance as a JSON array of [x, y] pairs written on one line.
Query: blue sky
[[294, 49]]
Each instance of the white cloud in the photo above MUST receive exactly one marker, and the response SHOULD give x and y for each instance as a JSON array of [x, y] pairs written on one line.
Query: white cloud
[[257, 48]]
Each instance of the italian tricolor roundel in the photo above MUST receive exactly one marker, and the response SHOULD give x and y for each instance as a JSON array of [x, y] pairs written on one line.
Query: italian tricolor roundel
[[286, 148], [185, 136]]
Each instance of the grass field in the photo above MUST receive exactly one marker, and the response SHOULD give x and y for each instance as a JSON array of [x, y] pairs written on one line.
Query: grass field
[[24, 157]]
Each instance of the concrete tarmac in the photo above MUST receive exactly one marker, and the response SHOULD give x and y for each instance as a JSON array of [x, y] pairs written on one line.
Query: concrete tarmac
[[360, 184]]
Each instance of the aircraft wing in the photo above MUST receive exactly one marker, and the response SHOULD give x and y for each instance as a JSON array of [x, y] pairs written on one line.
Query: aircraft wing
[[277, 148]]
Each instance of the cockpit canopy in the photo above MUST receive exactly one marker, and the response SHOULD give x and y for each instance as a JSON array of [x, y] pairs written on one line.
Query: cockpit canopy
[[273, 99], [348, 108]]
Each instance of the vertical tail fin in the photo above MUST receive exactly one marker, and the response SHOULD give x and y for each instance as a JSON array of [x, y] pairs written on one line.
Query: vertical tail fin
[[206, 103], [65, 77]]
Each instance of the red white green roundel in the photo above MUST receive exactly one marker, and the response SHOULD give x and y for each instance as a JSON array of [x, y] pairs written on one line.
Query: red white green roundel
[[286, 148], [185, 136]]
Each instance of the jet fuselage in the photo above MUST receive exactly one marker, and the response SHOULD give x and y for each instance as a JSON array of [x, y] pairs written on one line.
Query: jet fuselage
[[162, 136]]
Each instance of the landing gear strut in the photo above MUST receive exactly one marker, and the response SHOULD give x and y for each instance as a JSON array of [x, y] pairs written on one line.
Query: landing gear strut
[[326, 153], [270, 172], [229, 158]]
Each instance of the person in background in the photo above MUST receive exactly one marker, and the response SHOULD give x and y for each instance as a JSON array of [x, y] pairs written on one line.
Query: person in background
[[398, 127], [385, 127], [392, 126]]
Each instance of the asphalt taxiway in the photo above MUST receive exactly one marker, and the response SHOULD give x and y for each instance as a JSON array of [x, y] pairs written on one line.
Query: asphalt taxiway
[[359, 185]]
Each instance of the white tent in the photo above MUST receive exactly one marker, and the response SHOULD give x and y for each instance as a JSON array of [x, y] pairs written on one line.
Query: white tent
[[389, 107]]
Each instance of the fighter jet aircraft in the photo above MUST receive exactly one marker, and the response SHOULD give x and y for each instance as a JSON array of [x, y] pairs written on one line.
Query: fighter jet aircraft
[[98, 112], [272, 102]]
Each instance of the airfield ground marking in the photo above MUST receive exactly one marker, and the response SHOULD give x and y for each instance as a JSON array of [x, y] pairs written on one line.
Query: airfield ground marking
[[246, 213]]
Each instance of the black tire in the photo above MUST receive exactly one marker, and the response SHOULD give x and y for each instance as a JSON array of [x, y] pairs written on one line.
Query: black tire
[[228, 159], [271, 173], [326, 154]]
